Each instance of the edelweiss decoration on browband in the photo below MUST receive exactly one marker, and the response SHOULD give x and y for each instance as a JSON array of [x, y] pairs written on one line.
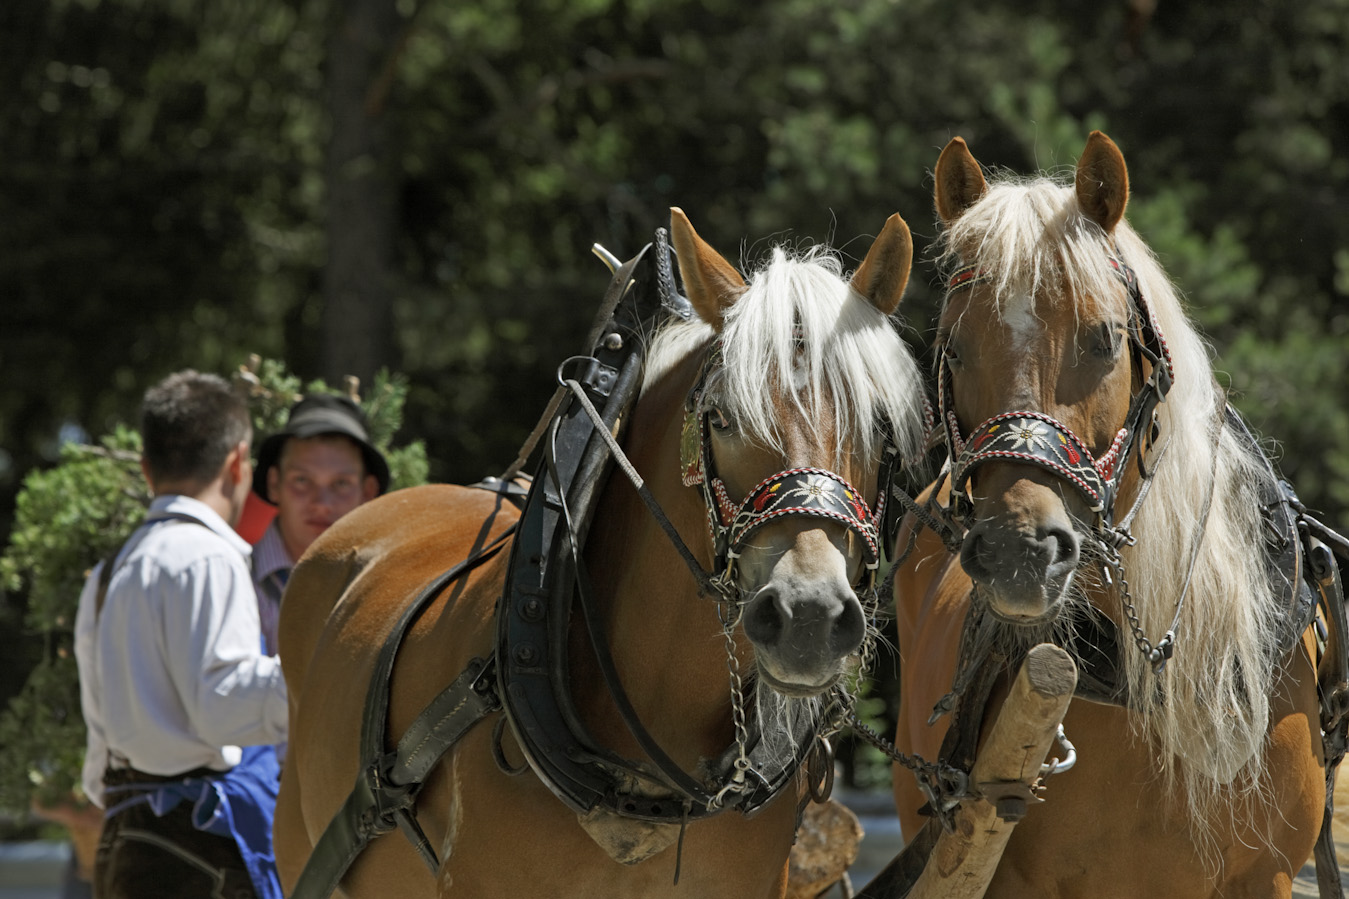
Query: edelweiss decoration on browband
[[1035, 438], [799, 492]]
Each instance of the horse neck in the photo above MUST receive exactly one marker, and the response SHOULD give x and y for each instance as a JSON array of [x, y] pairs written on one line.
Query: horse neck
[[664, 638]]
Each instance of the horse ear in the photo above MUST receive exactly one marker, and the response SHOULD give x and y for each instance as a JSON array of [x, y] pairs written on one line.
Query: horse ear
[[960, 181], [884, 274], [712, 283], [1102, 182]]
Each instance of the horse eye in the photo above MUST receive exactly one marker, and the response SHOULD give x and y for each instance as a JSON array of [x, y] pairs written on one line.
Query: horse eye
[[1106, 342], [718, 419]]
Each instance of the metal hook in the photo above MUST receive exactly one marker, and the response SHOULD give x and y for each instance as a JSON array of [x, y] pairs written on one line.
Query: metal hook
[[1054, 766]]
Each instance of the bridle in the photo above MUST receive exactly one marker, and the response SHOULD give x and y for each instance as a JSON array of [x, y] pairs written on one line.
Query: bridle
[[791, 493], [1034, 438], [1037, 439], [753, 774]]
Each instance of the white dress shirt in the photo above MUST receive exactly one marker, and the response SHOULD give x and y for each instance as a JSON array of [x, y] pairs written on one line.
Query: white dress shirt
[[172, 673]]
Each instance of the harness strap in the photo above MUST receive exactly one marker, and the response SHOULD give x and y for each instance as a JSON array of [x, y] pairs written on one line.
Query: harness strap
[[675, 777], [387, 785], [1332, 684], [700, 574], [697, 800]]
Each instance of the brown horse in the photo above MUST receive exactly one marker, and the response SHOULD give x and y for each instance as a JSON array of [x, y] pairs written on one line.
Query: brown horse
[[1070, 379], [796, 370]]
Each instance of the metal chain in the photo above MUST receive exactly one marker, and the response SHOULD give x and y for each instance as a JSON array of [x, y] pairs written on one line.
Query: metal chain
[[944, 785], [1160, 653], [730, 617], [871, 604]]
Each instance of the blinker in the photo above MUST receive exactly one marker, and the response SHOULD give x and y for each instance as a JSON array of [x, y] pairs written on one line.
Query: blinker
[[691, 448]]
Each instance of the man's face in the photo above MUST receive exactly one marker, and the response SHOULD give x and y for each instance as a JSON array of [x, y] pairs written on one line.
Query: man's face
[[317, 481]]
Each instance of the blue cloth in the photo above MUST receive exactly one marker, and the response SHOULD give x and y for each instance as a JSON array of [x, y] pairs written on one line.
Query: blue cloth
[[239, 804]]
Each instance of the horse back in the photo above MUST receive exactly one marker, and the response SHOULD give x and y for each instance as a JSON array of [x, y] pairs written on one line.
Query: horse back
[[409, 536], [340, 606]]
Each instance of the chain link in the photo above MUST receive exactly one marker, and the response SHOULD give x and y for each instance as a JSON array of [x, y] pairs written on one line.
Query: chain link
[[944, 785], [1157, 654], [730, 618]]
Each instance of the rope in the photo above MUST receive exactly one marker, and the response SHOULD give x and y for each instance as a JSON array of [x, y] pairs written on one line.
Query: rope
[[938, 527]]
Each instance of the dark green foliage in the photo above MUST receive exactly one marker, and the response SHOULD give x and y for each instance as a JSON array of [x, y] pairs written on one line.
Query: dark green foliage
[[67, 518]]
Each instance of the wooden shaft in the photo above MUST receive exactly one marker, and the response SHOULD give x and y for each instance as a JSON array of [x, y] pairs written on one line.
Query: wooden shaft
[[962, 862]]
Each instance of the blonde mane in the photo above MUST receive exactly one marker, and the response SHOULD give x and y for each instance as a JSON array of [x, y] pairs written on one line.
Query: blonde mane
[[799, 323], [1208, 712]]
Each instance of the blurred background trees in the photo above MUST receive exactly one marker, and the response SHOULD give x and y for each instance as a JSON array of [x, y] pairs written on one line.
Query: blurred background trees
[[350, 185]]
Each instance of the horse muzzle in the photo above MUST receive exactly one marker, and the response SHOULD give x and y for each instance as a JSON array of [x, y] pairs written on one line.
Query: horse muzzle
[[803, 636], [1022, 573]]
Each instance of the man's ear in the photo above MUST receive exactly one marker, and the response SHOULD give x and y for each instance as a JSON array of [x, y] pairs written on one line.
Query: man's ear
[[145, 471], [369, 488], [236, 462]]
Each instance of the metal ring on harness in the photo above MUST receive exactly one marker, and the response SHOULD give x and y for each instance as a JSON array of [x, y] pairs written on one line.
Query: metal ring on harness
[[499, 752], [820, 770]]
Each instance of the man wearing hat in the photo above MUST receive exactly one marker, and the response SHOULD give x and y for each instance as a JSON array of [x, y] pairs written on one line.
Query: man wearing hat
[[319, 467]]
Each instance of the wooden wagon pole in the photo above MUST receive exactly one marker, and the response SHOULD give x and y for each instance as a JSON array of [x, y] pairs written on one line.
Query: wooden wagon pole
[[961, 863]]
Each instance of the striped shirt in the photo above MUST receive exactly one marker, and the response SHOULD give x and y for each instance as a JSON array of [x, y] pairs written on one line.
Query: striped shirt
[[272, 566]]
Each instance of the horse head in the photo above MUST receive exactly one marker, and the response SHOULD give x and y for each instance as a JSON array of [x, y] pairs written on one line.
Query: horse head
[[1045, 349], [804, 390]]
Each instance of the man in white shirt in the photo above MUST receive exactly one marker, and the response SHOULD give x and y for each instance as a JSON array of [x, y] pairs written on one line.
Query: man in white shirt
[[181, 704], [319, 467]]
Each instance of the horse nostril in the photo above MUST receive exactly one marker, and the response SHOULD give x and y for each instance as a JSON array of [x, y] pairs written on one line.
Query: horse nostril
[[764, 620], [1052, 553], [1062, 550], [848, 629], [974, 553]]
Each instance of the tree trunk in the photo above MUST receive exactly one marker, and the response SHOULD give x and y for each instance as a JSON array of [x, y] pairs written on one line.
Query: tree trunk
[[356, 324]]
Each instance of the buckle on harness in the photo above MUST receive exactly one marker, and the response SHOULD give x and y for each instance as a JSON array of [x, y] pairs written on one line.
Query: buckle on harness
[[387, 799]]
